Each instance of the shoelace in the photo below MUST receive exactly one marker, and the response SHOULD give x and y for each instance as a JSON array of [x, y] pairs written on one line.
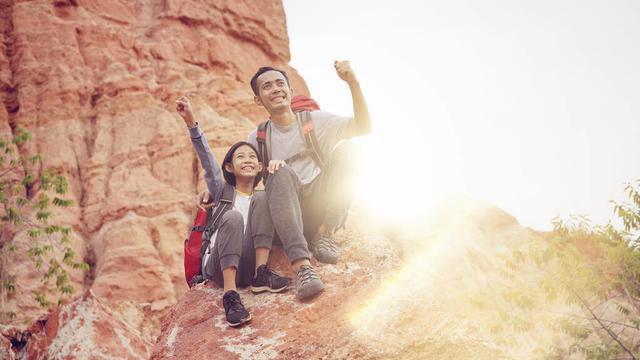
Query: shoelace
[[234, 303], [326, 243], [272, 273], [269, 274], [306, 274]]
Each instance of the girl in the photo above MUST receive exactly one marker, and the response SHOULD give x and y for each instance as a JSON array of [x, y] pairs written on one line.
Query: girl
[[239, 249]]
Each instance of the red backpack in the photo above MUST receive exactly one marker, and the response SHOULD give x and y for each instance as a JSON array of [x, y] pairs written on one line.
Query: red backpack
[[301, 106], [205, 224], [192, 260]]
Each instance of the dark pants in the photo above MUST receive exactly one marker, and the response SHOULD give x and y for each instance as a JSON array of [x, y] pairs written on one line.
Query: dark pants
[[298, 210], [235, 245]]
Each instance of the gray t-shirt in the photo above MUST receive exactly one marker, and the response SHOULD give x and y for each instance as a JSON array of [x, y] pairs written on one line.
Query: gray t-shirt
[[285, 142]]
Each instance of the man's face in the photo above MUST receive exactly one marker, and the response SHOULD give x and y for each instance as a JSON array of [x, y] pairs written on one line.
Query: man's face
[[274, 92], [244, 163]]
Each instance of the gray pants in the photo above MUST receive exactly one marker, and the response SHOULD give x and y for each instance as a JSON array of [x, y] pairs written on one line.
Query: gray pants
[[235, 246], [298, 210]]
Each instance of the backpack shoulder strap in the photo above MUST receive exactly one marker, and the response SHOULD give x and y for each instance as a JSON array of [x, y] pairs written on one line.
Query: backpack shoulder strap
[[225, 203], [310, 139], [263, 151]]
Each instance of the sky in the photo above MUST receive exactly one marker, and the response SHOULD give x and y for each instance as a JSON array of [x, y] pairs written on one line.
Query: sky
[[533, 106]]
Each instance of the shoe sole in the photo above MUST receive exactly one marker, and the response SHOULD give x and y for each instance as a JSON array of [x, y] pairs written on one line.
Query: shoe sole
[[310, 296], [324, 260], [330, 261], [261, 289], [243, 321]]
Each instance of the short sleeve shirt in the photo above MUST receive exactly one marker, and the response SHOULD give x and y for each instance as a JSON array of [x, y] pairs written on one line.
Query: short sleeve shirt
[[285, 142]]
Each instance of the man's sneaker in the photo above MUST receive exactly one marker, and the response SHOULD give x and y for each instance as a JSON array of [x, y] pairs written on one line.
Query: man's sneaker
[[267, 280], [234, 310], [326, 250], [308, 283]]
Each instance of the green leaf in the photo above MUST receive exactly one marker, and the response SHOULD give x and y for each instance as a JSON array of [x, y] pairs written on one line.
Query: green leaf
[[29, 179], [52, 229], [9, 285], [43, 202], [62, 202], [13, 216], [21, 201], [41, 298], [43, 215], [35, 159], [34, 233], [61, 184]]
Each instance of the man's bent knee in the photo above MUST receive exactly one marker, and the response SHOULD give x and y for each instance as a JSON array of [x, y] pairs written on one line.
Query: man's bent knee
[[284, 175], [259, 197], [232, 218]]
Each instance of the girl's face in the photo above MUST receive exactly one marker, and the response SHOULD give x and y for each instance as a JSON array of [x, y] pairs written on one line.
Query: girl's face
[[244, 163]]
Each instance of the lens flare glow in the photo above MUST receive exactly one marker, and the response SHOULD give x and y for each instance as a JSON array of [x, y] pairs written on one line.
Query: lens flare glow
[[406, 167], [434, 251]]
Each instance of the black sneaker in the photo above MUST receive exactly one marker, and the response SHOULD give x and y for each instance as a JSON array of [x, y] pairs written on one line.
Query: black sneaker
[[267, 280], [326, 250], [234, 310], [308, 283]]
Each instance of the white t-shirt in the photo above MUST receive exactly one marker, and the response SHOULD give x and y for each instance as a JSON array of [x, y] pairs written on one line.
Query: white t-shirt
[[240, 203], [286, 141]]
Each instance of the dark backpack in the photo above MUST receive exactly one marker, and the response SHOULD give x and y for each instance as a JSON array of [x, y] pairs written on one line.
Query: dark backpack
[[301, 106], [205, 224]]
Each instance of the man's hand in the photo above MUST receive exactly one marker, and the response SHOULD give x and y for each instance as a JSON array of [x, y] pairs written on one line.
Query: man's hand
[[183, 107], [361, 122], [345, 72], [275, 165], [204, 200]]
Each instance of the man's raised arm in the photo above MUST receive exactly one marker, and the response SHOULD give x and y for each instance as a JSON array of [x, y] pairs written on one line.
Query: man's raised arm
[[361, 123]]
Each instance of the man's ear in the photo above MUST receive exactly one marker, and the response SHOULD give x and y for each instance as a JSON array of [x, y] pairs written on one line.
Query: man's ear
[[257, 100], [229, 167]]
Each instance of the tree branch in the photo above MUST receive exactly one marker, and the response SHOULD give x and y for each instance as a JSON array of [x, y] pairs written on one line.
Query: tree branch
[[605, 328]]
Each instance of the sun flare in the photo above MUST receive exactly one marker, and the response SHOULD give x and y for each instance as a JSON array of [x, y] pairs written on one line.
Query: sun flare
[[406, 167]]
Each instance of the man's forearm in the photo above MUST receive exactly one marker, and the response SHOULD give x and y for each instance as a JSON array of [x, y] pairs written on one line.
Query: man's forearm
[[361, 124]]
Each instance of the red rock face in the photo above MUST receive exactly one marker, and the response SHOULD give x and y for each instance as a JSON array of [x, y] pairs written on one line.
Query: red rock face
[[85, 329], [95, 82]]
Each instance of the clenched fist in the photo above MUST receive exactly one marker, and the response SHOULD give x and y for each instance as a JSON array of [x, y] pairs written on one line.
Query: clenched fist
[[184, 109], [345, 72]]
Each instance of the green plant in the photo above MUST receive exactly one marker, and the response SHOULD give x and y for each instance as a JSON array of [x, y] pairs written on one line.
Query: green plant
[[599, 270], [592, 269], [28, 204]]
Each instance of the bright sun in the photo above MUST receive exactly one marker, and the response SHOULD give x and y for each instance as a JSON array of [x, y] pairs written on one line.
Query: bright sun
[[407, 167]]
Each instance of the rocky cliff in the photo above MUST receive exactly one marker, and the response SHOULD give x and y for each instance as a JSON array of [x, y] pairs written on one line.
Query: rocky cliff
[[95, 83]]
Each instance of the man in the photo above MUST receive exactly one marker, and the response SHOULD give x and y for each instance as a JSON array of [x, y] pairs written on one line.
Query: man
[[238, 250], [308, 203]]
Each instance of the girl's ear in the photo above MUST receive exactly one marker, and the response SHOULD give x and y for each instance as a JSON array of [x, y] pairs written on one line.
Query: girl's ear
[[229, 167], [260, 167]]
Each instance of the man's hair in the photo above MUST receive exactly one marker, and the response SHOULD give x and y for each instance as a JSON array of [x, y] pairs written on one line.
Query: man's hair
[[262, 70], [229, 177]]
